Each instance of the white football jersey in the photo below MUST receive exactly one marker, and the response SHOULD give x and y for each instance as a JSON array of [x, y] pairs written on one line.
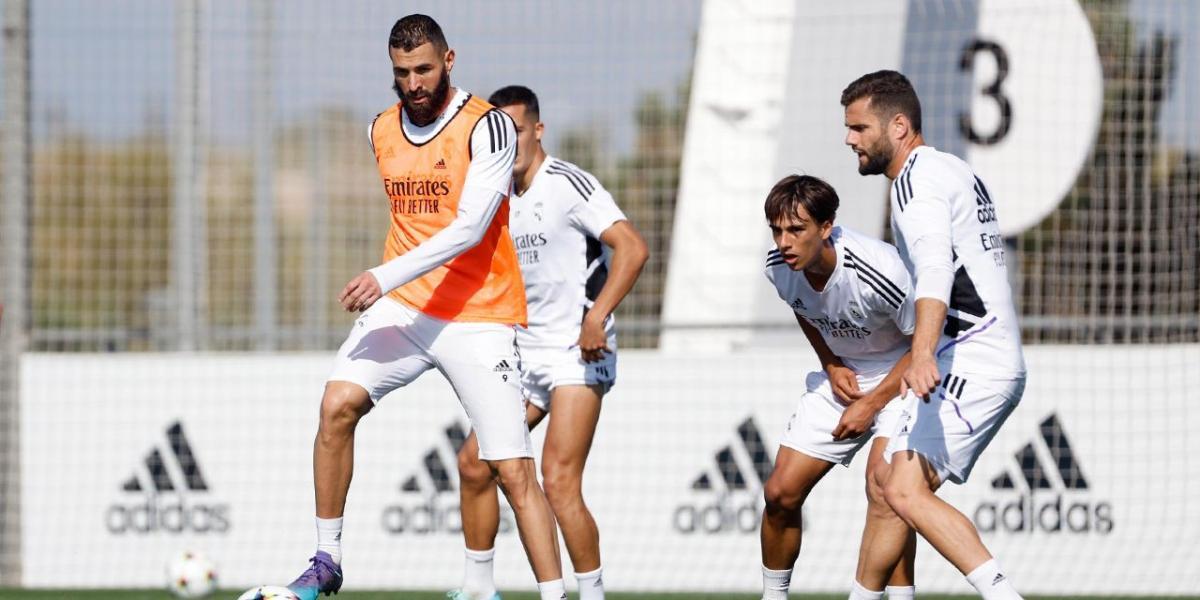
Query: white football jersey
[[944, 224], [556, 226], [865, 311]]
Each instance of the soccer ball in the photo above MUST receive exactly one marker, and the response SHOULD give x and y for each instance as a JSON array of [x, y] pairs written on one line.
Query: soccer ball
[[191, 575], [268, 592]]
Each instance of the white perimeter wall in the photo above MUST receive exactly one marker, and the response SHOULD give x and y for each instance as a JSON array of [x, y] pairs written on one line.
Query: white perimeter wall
[[90, 421]]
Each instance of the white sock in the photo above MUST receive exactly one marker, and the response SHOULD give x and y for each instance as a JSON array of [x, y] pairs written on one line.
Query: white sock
[[479, 582], [858, 592], [552, 590], [591, 586], [900, 592], [776, 583], [329, 537], [991, 582]]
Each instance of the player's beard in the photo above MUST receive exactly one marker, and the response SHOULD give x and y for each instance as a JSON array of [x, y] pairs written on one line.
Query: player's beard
[[879, 156], [424, 115]]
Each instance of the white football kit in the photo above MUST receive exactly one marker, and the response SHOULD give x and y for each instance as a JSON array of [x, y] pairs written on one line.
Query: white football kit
[[865, 315], [944, 223], [556, 226]]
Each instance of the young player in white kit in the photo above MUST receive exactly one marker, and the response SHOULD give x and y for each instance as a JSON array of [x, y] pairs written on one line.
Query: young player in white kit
[[561, 221], [967, 371], [851, 296]]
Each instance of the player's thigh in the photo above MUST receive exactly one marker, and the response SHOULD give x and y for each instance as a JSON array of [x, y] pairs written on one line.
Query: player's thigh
[[534, 415], [381, 353], [480, 362], [794, 476], [911, 473], [572, 427]]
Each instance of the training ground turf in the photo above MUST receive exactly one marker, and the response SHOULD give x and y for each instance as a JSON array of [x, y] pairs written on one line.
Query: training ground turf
[[18, 594]]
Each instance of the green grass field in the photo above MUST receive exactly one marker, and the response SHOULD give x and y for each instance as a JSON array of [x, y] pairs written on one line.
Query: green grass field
[[19, 594]]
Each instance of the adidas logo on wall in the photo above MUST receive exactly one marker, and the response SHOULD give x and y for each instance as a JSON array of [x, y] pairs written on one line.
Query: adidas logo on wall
[[430, 503], [734, 486], [1051, 493], [167, 492]]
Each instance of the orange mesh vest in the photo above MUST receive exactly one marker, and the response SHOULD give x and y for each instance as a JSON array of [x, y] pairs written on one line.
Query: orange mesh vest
[[423, 183]]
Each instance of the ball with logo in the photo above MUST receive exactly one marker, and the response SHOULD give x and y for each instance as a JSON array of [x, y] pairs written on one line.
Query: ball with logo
[[268, 592], [191, 575]]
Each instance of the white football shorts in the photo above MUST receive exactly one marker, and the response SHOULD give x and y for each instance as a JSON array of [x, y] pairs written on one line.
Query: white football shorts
[[390, 345], [956, 425], [543, 369], [810, 429]]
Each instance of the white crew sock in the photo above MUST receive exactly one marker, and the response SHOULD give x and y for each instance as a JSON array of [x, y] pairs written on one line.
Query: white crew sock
[[900, 592], [591, 586], [329, 537], [858, 592], [552, 590], [991, 582], [479, 582], [776, 583]]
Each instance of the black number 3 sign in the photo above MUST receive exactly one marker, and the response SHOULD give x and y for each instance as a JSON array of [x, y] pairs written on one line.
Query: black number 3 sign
[[992, 90]]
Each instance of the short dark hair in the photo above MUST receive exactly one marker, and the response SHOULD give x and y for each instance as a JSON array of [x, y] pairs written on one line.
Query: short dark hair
[[818, 198], [890, 94], [414, 30], [517, 94]]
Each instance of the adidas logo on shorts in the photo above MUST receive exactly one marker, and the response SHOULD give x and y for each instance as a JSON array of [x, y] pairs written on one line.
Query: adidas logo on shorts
[[732, 500], [502, 367], [429, 504], [1037, 498]]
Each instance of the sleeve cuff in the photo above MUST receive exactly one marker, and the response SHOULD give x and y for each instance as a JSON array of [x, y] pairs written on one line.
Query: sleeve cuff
[[935, 284]]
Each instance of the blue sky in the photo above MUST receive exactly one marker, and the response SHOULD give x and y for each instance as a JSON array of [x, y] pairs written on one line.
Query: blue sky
[[108, 65]]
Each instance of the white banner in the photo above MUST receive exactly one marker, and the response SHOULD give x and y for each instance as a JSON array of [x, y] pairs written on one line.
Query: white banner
[[127, 459]]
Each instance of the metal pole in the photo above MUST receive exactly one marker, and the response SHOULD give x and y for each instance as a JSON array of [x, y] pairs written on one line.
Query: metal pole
[[14, 323], [189, 230], [266, 279], [316, 276]]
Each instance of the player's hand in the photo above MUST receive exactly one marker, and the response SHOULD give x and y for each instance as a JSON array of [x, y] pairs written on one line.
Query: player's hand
[[856, 420], [844, 383], [360, 293], [921, 377], [593, 342]]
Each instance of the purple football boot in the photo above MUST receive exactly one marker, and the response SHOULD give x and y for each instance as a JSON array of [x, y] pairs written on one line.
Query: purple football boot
[[322, 577]]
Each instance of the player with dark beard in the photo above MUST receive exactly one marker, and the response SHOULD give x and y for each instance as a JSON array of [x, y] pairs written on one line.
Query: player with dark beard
[[448, 296]]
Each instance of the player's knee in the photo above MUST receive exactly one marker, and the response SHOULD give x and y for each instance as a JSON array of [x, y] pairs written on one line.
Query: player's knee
[[781, 497], [472, 471], [874, 484], [515, 478], [561, 483], [342, 407], [899, 497]]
